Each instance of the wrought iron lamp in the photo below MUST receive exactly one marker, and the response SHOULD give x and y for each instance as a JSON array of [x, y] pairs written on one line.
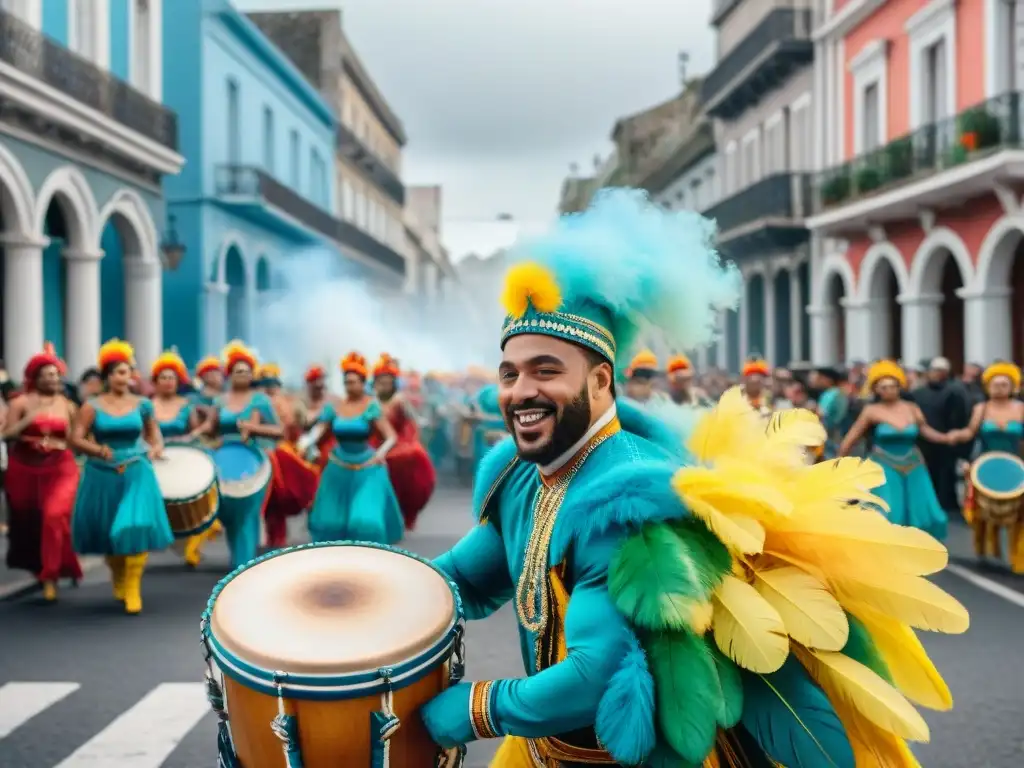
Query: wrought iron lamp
[[172, 248]]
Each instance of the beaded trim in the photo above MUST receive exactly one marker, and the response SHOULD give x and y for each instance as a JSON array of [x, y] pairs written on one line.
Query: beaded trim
[[567, 325], [480, 717]]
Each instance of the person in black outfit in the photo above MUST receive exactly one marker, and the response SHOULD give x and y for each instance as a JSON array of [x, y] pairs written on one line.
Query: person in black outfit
[[946, 407]]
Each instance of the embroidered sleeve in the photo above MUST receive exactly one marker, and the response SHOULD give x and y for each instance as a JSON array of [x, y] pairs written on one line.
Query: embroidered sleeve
[[480, 716]]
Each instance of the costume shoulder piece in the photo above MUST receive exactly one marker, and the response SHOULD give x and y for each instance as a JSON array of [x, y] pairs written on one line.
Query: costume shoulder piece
[[774, 606], [494, 469]]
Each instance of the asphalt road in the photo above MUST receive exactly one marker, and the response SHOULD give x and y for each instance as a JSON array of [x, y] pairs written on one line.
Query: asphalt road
[[88, 687]]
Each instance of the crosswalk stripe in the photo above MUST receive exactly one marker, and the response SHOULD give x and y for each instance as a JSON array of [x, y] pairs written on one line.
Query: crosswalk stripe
[[145, 735], [20, 702]]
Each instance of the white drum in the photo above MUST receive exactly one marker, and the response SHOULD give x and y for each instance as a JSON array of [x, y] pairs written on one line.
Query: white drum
[[188, 482]]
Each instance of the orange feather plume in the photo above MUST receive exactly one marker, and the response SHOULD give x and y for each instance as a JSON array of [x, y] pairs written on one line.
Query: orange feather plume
[[353, 362], [236, 352], [115, 351], [169, 361]]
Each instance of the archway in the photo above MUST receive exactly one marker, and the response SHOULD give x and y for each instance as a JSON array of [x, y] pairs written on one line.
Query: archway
[[952, 314], [237, 324], [263, 298], [803, 273], [835, 326], [784, 352], [999, 287], [885, 316], [732, 341], [940, 268], [755, 316], [1017, 303], [56, 228], [20, 323]]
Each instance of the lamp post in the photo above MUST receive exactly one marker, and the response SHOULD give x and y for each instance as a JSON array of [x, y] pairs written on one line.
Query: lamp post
[[172, 249]]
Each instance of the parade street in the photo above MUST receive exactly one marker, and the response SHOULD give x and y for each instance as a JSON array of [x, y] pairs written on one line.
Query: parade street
[[89, 687]]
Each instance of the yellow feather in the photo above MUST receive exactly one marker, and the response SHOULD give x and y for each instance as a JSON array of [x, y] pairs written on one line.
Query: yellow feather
[[732, 490], [795, 427], [912, 671], [872, 746], [729, 429], [747, 629], [839, 480], [530, 283], [812, 616], [909, 599], [848, 682], [740, 534]]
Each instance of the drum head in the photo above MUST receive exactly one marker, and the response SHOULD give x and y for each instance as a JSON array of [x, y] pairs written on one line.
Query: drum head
[[184, 472], [237, 461], [333, 610], [999, 475]]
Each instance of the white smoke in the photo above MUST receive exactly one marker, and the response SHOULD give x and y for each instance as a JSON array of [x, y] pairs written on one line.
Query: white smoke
[[320, 311]]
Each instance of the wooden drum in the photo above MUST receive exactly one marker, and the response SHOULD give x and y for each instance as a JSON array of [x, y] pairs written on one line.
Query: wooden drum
[[328, 651], [188, 483], [997, 481]]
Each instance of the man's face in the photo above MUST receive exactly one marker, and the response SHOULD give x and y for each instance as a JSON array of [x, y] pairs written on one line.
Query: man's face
[[680, 381], [754, 383], [640, 389], [937, 375], [972, 373], [781, 378], [544, 393], [795, 393]]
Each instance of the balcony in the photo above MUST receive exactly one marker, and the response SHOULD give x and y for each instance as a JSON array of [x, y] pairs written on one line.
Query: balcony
[[767, 216], [722, 8], [260, 197], [357, 153], [937, 165], [39, 57], [762, 62]]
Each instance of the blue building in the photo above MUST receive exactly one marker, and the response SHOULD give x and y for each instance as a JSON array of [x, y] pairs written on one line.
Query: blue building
[[259, 181], [85, 142]]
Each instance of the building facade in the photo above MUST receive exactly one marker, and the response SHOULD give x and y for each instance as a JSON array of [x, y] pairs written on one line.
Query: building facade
[[259, 185], [370, 137], [759, 96], [918, 221], [429, 268], [85, 141]]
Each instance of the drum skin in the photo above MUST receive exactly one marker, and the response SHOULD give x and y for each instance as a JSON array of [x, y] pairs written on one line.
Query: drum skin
[[998, 482], [242, 469], [188, 482], [337, 610]]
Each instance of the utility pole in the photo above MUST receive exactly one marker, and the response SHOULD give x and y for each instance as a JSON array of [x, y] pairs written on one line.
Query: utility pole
[[684, 60]]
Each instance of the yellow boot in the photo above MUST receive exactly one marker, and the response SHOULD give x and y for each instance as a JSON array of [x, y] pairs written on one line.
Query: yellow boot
[[193, 549], [116, 565], [49, 591], [134, 565]]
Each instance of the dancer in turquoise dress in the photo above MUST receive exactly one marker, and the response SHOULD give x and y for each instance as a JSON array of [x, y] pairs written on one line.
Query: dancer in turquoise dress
[[489, 427], [119, 512], [355, 499], [998, 425], [897, 425]]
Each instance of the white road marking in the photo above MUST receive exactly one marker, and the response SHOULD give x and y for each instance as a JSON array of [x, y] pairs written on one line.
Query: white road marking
[[20, 702], [992, 587], [145, 735]]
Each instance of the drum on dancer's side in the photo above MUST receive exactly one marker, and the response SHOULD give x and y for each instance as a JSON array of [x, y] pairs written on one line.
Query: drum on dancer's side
[[188, 483], [242, 469], [997, 479], [327, 649]]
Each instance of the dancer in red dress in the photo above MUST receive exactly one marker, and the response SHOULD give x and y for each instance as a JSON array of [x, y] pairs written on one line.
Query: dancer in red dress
[[412, 472], [42, 476], [312, 403]]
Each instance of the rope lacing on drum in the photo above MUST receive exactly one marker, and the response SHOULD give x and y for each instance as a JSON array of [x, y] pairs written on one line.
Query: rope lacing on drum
[[286, 726], [383, 723], [457, 662], [226, 757]]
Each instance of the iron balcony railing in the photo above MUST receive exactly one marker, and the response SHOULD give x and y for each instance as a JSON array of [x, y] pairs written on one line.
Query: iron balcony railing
[[782, 198], [976, 132], [251, 182], [43, 58], [721, 8], [350, 146]]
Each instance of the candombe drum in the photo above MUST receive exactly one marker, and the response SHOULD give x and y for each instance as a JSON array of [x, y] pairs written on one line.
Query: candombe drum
[[242, 470], [328, 651], [188, 482], [997, 481]]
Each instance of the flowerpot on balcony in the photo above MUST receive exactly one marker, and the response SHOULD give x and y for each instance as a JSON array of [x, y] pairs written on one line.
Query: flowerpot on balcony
[[956, 155], [868, 179], [835, 190], [983, 125], [899, 157]]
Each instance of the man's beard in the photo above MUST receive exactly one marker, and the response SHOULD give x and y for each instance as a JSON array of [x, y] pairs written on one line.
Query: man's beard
[[569, 428]]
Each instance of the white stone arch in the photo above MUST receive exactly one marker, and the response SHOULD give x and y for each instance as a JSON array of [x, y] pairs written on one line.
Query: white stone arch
[[874, 329], [221, 300], [143, 236], [834, 264], [926, 268], [878, 254], [995, 256], [236, 240], [82, 213], [16, 197]]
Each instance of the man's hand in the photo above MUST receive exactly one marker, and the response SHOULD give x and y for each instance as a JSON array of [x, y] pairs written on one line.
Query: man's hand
[[446, 717]]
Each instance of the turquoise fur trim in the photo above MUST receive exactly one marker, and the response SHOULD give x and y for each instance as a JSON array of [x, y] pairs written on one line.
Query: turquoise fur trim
[[625, 714], [635, 421], [493, 470]]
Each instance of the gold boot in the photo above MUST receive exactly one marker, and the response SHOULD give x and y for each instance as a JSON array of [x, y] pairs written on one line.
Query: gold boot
[[193, 550], [49, 591], [134, 565], [116, 565]]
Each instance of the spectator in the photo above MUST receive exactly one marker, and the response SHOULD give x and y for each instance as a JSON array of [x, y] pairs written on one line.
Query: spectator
[[945, 406]]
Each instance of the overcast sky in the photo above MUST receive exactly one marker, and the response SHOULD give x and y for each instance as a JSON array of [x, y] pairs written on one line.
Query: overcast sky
[[499, 97]]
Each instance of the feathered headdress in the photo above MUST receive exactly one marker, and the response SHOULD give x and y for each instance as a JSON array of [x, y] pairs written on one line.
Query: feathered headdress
[[170, 361], [270, 371], [207, 365], [645, 360], [39, 361], [600, 277], [1002, 368], [315, 373], [756, 367], [678, 363], [885, 369], [236, 352], [386, 365], [115, 351], [353, 362]]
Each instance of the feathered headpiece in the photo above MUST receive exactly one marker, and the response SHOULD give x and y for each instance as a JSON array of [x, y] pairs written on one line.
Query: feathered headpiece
[[270, 371], [1002, 368], [386, 365], [115, 351], [756, 367], [207, 365], [315, 373], [170, 361], [600, 277], [645, 360], [678, 363], [353, 362], [236, 352], [39, 361], [886, 369]]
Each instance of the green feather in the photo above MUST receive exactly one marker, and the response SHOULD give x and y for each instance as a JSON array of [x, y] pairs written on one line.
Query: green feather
[[793, 721], [658, 578], [708, 553], [664, 757], [731, 685], [688, 692], [861, 647]]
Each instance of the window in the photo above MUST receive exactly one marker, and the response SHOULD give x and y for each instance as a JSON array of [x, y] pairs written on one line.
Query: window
[[935, 70], [83, 32], [932, 36], [731, 169], [268, 140], [234, 129], [295, 158], [750, 168], [348, 201], [775, 144], [360, 218], [142, 44], [696, 195], [869, 125], [870, 81], [800, 134]]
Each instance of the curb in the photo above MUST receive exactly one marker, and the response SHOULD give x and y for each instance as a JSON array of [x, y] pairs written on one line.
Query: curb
[[27, 585]]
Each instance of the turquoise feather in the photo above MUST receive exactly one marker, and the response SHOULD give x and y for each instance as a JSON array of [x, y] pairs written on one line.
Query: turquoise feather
[[793, 721], [664, 757], [731, 685], [655, 580], [492, 465], [625, 714], [861, 647], [688, 693]]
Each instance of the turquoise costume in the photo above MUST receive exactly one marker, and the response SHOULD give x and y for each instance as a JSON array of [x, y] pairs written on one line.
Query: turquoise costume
[[119, 509], [995, 438], [490, 420], [179, 425], [354, 501], [908, 488], [834, 406]]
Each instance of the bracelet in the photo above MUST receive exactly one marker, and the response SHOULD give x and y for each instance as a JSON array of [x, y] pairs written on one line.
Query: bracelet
[[480, 717]]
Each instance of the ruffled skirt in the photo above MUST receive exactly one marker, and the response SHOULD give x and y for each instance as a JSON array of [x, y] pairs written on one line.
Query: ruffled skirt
[[909, 492], [355, 504], [292, 490], [413, 479]]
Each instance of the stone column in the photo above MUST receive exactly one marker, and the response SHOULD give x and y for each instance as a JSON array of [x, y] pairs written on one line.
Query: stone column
[[722, 350], [823, 333], [215, 318], [858, 328], [82, 319], [770, 350], [742, 317], [22, 299], [922, 327], [702, 360], [796, 315], [988, 319], [143, 309]]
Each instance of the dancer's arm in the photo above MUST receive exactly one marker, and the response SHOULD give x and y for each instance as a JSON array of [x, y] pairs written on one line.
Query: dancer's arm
[[382, 425], [928, 432], [79, 435], [968, 433], [860, 427], [19, 416]]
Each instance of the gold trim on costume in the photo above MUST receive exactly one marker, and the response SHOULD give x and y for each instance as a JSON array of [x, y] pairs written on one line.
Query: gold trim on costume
[[601, 337], [480, 717]]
